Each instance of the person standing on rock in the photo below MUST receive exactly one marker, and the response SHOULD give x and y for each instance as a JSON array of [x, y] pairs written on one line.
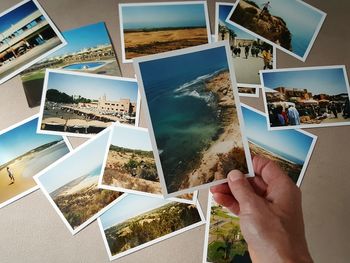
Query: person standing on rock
[[265, 9]]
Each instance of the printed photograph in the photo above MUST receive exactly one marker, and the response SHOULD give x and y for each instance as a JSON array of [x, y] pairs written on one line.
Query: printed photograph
[[248, 92], [250, 54], [224, 242], [71, 185], [290, 25], [24, 153], [154, 28], [83, 104], [26, 36], [290, 149], [136, 222], [306, 97], [194, 111], [89, 49], [130, 161]]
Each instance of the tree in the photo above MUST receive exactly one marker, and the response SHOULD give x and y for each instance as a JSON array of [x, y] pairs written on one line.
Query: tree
[[222, 30]]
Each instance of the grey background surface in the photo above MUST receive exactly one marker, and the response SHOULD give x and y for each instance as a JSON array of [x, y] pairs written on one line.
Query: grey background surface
[[31, 231]]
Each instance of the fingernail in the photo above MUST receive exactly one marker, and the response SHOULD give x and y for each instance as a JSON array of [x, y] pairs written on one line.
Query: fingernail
[[235, 175]]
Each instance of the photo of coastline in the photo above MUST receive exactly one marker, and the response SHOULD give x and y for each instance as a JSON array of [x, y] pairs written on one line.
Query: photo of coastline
[[290, 25], [130, 163], [194, 114], [250, 54], [224, 242], [71, 184], [290, 149], [27, 35], [137, 222], [306, 97], [152, 28], [84, 104], [24, 153], [89, 49]]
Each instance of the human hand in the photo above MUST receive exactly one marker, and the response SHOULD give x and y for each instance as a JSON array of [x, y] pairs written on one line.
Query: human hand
[[269, 207]]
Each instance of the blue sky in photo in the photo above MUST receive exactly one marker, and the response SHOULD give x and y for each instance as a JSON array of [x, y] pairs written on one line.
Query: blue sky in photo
[[289, 144], [301, 20], [158, 16], [22, 139], [129, 207], [83, 162], [318, 81], [83, 37], [16, 15], [93, 87], [131, 138], [224, 11]]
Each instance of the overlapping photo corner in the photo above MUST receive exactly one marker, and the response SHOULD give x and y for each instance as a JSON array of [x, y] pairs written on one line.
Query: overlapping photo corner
[[225, 131], [89, 49], [28, 35]]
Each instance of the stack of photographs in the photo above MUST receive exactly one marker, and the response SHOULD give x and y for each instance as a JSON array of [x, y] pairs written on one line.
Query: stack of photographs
[[141, 185]]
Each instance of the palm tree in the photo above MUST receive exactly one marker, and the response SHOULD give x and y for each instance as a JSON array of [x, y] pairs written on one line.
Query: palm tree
[[233, 35], [222, 30]]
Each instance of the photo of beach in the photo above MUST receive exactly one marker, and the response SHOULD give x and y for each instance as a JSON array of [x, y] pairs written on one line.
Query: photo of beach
[[26, 36], [154, 28], [24, 153], [290, 25], [136, 222], [89, 49], [306, 97], [224, 239], [130, 163], [192, 110], [290, 149], [84, 104], [71, 185], [250, 54]]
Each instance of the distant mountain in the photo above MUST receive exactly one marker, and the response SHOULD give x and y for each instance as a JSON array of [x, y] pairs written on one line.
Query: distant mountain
[[68, 186], [248, 15]]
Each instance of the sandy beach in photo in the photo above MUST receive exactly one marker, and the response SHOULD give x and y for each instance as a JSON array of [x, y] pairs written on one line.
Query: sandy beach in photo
[[141, 43], [225, 153], [81, 199], [26, 166]]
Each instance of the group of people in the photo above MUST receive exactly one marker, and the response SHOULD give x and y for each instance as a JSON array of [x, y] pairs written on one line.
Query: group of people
[[254, 51], [284, 116]]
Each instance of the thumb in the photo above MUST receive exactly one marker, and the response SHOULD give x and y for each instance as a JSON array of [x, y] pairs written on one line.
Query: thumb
[[242, 190]]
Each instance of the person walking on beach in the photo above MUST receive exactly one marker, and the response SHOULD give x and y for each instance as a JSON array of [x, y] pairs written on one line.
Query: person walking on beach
[[267, 57], [293, 116], [12, 178]]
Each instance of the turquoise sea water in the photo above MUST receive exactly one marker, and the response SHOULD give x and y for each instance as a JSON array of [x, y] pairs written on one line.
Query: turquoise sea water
[[185, 120]]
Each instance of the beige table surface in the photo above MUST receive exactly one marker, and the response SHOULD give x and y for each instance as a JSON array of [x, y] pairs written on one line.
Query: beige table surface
[[31, 231]]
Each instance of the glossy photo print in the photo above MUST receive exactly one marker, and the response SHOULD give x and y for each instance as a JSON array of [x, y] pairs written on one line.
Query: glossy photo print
[[27, 35], [23, 154], [290, 25], [137, 222], [83, 104], [306, 97], [152, 28], [194, 116]]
